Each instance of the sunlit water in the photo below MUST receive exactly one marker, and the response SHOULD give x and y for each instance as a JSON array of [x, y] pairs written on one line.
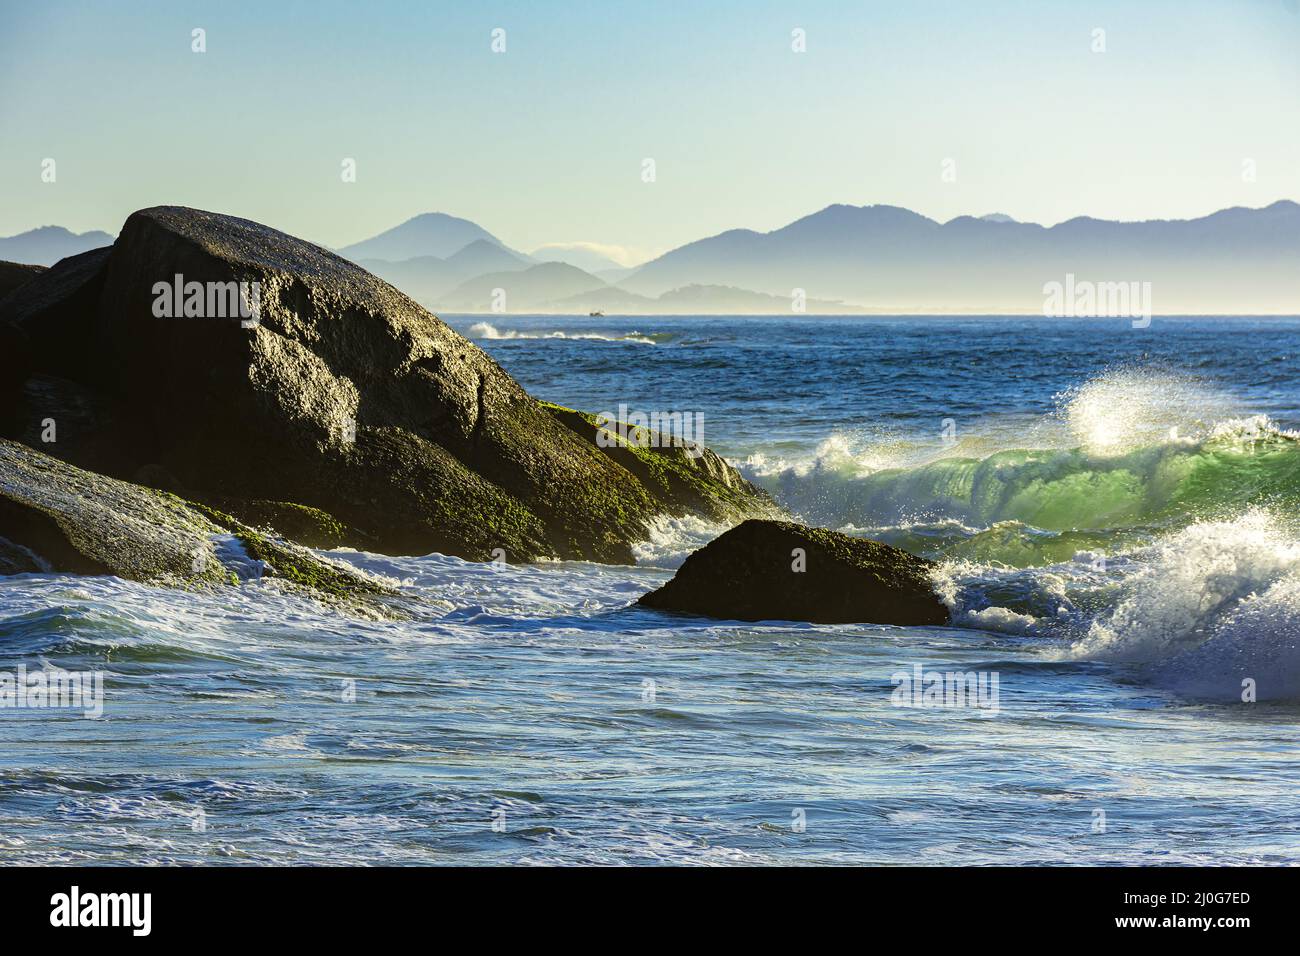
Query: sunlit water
[[1113, 512]]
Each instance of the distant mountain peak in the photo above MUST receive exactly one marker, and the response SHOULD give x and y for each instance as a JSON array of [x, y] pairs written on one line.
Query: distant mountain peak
[[871, 210], [588, 256], [428, 234], [44, 231], [997, 217], [486, 255], [839, 216], [435, 218], [46, 245], [557, 269], [59, 231]]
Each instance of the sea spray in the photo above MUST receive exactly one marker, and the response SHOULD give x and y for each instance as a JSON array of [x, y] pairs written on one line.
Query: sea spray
[[1199, 611], [1187, 586], [1252, 655], [1129, 408]]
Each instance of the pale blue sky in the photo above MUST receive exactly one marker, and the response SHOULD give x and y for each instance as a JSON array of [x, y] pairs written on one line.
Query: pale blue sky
[[544, 143]]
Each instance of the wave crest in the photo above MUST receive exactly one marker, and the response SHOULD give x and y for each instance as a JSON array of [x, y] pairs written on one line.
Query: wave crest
[[1235, 462]]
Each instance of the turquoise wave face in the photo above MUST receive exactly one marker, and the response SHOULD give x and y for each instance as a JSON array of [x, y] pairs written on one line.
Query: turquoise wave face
[[1026, 506]]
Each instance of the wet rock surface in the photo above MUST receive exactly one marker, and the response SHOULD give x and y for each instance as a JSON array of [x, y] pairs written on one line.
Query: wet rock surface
[[778, 570], [56, 517]]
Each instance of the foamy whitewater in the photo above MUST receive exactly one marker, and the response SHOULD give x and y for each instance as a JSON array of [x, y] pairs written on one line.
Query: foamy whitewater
[[1114, 513]]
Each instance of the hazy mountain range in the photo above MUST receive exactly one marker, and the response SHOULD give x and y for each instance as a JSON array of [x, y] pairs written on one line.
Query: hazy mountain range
[[891, 259], [840, 259], [48, 244]]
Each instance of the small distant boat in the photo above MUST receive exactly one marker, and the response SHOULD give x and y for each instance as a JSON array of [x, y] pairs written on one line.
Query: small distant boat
[[596, 314]]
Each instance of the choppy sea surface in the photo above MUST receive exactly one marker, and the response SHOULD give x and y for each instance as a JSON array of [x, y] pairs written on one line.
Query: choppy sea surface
[[1115, 513]]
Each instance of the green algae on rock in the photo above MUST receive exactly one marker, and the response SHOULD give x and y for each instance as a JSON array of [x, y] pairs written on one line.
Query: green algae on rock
[[678, 478], [67, 519]]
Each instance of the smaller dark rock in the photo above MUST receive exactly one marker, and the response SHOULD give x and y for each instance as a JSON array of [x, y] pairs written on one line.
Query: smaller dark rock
[[749, 574]]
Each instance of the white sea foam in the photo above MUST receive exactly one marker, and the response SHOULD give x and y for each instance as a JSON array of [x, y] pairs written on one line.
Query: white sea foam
[[1198, 611], [1257, 641], [671, 540], [485, 330], [1001, 619], [1011, 600], [234, 557], [1189, 584]]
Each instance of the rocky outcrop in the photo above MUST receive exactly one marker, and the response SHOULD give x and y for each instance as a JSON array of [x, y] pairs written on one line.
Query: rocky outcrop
[[778, 570], [56, 517], [341, 395]]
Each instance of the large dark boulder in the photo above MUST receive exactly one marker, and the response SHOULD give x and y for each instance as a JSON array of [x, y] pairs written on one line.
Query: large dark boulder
[[751, 573], [343, 396]]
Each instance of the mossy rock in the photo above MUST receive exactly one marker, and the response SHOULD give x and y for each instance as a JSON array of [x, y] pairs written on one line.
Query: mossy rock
[[678, 478], [300, 524], [72, 520], [295, 563]]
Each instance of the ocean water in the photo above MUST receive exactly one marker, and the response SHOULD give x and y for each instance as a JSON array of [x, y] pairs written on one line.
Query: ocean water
[[1114, 510]]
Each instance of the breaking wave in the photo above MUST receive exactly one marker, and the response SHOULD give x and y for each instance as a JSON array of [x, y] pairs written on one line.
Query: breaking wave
[[1147, 530], [1058, 490], [1199, 611]]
